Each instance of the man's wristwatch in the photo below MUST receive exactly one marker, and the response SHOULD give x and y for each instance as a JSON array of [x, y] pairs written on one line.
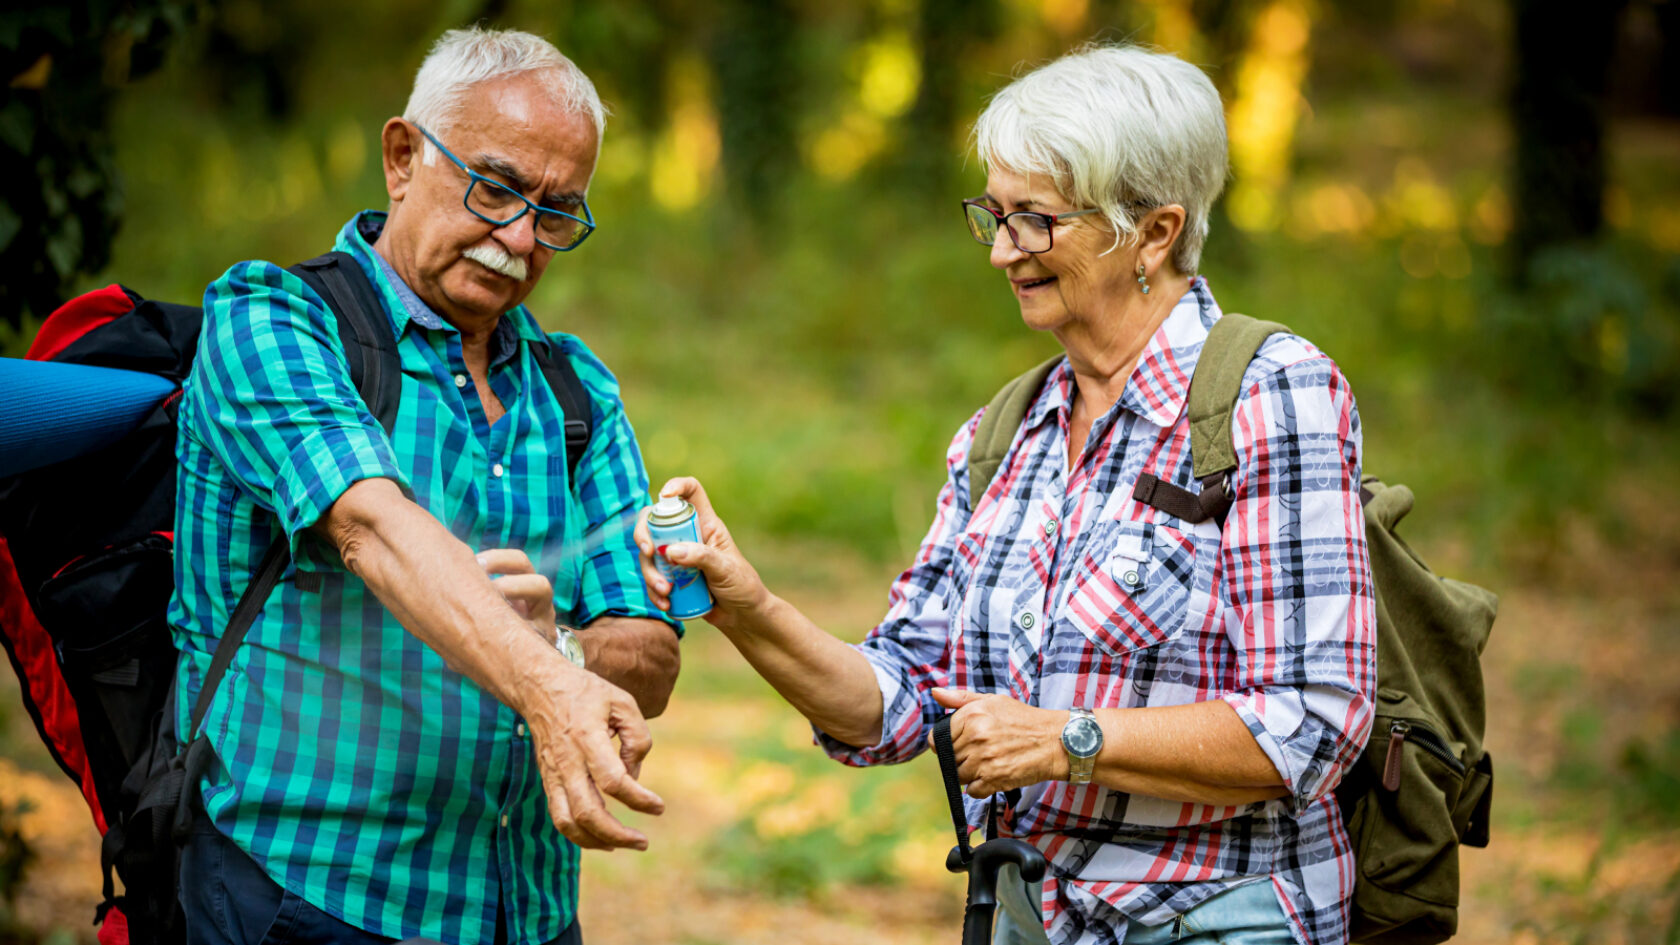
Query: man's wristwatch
[[567, 643], [1082, 739]]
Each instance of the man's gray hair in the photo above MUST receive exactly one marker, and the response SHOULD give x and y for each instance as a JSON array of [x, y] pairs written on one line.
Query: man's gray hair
[[461, 59], [1119, 128]]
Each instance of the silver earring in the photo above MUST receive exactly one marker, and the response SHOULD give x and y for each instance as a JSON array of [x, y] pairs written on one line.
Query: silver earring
[[1143, 280]]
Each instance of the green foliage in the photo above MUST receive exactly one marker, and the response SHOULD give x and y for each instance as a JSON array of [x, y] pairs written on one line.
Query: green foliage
[[1602, 319], [828, 827], [16, 855], [63, 203]]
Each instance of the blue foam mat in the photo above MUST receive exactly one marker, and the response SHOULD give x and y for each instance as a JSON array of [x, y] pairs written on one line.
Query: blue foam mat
[[50, 412]]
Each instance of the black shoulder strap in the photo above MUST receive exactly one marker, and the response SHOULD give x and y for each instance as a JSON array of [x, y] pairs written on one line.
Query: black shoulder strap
[[371, 348], [363, 327], [568, 387]]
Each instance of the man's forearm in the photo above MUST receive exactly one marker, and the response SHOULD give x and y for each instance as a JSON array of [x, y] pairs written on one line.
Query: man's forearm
[[637, 655], [432, 584]]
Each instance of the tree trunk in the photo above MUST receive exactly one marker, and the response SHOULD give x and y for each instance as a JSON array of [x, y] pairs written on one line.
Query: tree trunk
[[1561, 63]]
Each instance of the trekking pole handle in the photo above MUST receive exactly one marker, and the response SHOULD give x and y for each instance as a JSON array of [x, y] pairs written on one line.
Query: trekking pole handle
[[991, 857], [988, 860]]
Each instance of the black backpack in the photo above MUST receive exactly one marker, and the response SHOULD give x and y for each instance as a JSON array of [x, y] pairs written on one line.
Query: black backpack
[[1423, 785], [86, 584]]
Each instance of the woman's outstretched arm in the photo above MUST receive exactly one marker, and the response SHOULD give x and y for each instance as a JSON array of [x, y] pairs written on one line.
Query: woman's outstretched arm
[[827, 680]]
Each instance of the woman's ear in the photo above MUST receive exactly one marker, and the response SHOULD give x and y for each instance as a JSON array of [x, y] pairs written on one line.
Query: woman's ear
[[1158, 231], [400, 153]]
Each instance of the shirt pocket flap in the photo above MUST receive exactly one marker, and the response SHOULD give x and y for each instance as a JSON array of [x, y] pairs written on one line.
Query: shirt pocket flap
[[1132, 587]]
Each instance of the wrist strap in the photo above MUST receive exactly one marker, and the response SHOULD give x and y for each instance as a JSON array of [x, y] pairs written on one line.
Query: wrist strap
[[953, 790]]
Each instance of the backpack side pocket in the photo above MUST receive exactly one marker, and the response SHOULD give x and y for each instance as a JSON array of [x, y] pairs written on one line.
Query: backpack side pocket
[[1405, 827]]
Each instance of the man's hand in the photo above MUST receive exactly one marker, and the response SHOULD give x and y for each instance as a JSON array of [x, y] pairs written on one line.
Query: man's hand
[[636, 654], [574, 749], [574, 716], [1002, 743], [530, 594]]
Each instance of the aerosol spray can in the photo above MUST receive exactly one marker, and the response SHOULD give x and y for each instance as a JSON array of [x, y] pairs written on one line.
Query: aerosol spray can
[[671, 520]]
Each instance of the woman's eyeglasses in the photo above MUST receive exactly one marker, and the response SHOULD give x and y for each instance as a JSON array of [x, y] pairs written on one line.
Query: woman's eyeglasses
[[1032, 232]]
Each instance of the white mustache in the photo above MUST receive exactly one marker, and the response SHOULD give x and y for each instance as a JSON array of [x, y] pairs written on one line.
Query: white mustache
[[492, 256]]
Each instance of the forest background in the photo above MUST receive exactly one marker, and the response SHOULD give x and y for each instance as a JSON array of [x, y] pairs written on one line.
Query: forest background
[[1472, 205]]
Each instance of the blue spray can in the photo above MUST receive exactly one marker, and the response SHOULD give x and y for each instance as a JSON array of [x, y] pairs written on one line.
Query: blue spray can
[[672, 520]]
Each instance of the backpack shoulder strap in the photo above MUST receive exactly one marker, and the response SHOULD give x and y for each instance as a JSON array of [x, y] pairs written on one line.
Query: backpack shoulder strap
[[376, 370], [263, 580], [1231, 344], [998, 426], [363, 327], [574, 401]]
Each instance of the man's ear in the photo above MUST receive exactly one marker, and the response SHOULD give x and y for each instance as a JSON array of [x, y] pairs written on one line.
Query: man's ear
[[1158, 231], [400, 149]]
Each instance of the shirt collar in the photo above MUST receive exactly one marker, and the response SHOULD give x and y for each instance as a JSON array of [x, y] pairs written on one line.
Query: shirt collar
[[357, 239], [1160, 385]]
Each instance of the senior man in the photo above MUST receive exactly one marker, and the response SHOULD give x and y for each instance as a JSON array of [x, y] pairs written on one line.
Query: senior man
[[400, 736]]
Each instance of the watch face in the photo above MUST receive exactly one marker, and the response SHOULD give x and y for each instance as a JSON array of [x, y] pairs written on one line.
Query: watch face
[[571, 648], [1082, 737]]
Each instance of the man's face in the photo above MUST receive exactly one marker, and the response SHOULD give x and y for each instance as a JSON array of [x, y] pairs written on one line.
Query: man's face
[[511, 131]]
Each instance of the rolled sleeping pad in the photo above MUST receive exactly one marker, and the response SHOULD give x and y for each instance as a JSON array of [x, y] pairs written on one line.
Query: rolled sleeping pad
[[50, 411]]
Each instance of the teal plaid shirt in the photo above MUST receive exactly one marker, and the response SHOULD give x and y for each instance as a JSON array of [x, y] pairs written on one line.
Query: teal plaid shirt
[[362, 773]]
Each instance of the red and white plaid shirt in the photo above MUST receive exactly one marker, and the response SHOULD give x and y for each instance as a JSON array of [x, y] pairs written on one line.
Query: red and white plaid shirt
[[1060, 589]]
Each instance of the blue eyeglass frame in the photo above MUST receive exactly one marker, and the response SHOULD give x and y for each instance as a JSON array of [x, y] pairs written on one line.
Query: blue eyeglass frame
[[587, 220]]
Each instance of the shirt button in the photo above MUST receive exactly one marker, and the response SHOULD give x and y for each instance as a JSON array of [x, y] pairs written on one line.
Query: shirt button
[[504, 820], [460, 380], [1026, 620], [1131, 579], [1049, 525], [497, 470], [519, 730]]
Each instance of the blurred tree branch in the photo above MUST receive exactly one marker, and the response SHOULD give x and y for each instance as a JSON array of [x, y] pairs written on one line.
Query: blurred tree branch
[[62, 198]]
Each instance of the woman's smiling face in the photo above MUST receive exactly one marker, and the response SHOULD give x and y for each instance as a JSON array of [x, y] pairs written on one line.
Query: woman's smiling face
[[1077, 279]]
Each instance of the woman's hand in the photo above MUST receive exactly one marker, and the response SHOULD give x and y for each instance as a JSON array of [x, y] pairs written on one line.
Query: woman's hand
[[738, 595], [530, 594], [1003, 743]]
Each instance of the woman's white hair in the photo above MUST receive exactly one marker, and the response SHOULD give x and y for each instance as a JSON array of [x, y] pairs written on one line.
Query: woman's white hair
[[461, 59], [1119, 128]]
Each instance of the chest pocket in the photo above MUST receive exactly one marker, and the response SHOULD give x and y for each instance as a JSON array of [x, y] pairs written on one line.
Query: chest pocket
[[1131, 587]]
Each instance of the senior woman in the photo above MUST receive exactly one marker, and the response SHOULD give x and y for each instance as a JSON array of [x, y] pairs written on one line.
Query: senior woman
[[1230, 672]]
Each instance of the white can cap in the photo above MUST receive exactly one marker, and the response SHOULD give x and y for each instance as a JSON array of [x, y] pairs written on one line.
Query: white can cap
[[670, 510]]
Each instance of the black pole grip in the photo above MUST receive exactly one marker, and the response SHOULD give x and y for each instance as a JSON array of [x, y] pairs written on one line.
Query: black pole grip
[[983, 867], [977, 924], [990, 857]]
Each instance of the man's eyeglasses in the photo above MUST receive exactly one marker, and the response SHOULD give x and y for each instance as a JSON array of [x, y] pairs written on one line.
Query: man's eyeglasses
[[1032, 232], [500, 204]]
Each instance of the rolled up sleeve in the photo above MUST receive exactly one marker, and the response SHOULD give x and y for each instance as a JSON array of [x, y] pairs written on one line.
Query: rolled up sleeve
[[1301, 611], [910, 649], [270, 396]]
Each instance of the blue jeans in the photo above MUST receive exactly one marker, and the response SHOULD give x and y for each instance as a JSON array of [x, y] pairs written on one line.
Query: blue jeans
[[229, 900], [1247, 915]]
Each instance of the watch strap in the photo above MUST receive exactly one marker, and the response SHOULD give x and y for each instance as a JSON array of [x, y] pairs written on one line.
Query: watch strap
[[1080, 768]]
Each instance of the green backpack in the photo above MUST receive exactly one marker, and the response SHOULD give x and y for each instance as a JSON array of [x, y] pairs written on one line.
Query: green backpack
[[1422, 786]]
